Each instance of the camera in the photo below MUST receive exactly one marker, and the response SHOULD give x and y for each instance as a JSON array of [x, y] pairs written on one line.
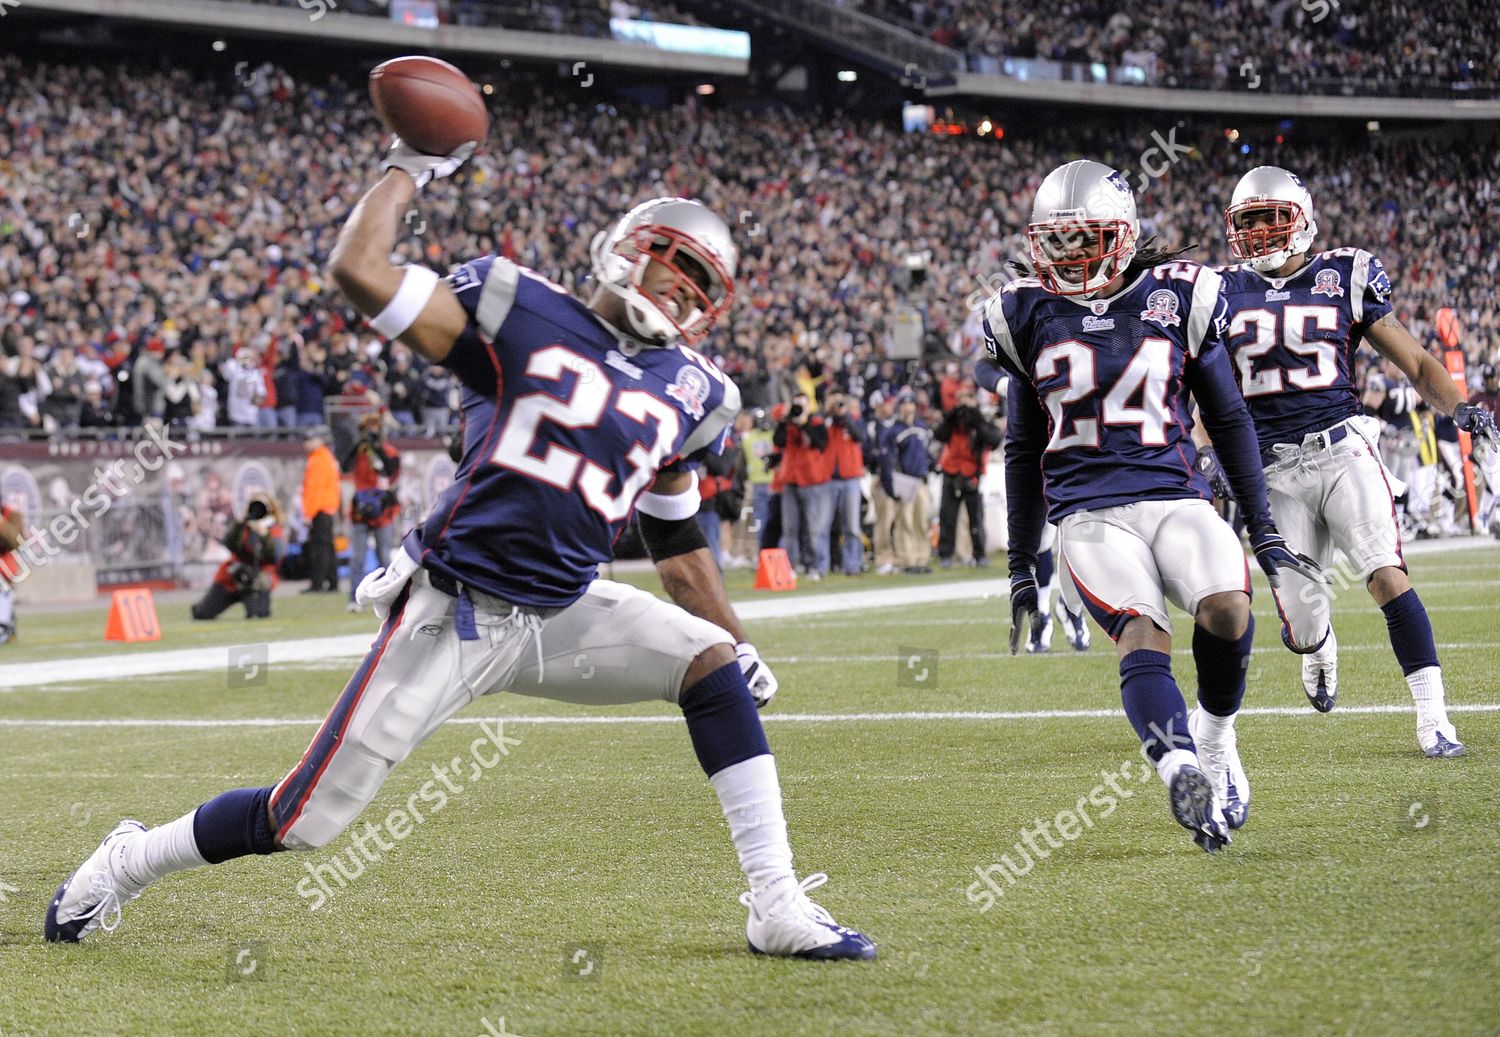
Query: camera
[[794, 412]]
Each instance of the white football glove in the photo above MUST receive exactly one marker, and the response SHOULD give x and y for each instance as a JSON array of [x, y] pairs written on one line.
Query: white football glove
[[758, 675], [382, 587], [423, 168]]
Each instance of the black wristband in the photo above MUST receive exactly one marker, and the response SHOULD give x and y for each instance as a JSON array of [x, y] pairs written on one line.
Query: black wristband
[[668, 538]]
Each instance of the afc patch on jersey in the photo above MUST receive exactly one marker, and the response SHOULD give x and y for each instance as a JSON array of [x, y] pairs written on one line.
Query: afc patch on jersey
[[1328, 283], [1161, 307], [690, 389]]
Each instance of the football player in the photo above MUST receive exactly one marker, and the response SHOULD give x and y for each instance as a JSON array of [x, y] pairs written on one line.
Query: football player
[[578, 415], [1104, 345], [1296, 319], [1049, 559]]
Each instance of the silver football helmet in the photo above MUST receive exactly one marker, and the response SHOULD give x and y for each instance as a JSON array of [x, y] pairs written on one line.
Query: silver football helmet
[[1264, 246], [1083, 229], [691, 241]]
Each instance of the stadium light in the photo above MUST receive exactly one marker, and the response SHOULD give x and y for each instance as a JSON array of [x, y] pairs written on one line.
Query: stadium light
[[848, 75], [704, 89]]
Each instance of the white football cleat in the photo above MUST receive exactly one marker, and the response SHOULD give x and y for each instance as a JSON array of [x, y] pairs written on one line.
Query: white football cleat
[[93, 895], [1320, 675], [1075, 626], [795, 927], [1221, 762]]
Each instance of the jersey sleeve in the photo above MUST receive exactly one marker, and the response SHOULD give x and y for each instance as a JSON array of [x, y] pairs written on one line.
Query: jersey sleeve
[[1208, 313], [998, 319], [486, 289], [711, 435], [1370, 294]]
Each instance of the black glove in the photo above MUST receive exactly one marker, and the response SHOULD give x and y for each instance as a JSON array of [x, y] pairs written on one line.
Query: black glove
[[1476, 421], [1273, 554], [1208, 465], [1025, 609]]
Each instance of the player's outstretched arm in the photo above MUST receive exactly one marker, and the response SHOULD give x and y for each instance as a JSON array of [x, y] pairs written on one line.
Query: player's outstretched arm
[[1430, 378], [668, 515], [408, 303]]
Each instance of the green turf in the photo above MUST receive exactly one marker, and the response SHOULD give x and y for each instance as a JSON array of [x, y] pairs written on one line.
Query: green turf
[[1360, 899]]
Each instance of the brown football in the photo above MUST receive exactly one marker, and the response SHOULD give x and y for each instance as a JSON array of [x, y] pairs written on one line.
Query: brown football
[[428, 103]]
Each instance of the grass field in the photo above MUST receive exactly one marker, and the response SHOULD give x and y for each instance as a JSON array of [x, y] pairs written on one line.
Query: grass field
[[1360, 899]]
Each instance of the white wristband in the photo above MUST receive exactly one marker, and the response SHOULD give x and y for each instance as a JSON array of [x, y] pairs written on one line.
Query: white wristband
[[406, 305], [676, 507]]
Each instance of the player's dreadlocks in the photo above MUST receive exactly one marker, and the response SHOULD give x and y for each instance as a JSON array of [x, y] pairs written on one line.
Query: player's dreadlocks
[[1147, 255]]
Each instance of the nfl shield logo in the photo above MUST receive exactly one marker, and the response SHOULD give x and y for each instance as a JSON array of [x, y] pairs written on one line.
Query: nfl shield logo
[[1327, 283], [1161, 307]]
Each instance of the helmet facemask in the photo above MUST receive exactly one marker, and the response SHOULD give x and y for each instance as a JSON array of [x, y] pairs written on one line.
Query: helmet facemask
[[1267, 246], [698, 293], [1080, 257]]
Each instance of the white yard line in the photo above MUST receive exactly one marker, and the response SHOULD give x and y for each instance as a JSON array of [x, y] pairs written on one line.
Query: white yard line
[[770, 718], [352, 646]]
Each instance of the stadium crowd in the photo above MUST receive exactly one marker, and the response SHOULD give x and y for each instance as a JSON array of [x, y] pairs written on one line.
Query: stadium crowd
[[1312, 46], [165, 258]]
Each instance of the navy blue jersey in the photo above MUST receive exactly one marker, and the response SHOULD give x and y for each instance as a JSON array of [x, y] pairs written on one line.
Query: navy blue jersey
[[1293, 340], [566, 423], [1111, 378]]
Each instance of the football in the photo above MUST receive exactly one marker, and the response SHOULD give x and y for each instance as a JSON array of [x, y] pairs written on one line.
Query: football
[[428, 103]]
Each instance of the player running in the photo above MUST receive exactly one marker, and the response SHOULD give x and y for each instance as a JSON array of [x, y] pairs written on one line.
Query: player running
[[576, 417], [1295, 323], [1104, 345]]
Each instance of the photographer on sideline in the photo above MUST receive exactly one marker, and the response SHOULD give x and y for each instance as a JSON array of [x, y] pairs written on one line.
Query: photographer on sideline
[[967, 438], [807, 504], [846, 442], [254, 544], [374, 509]]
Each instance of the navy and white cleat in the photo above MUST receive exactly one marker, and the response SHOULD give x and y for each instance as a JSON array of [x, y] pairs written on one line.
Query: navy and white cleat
[[1040, 641], [1222, 764], [793, 926], [1193, 804], [1320, 675], [1075, 626], [1443, 747], [92, 897]]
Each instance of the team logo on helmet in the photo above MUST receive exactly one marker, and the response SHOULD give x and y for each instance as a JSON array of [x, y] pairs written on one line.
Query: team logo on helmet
[[690, 389], [1327, 283], [1161, 306]]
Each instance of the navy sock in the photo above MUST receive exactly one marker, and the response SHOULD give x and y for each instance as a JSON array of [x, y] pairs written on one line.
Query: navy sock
[[1046, 563], [1411, 632], [234, 824], [722, 721], [1221, 669], [1153, 702]]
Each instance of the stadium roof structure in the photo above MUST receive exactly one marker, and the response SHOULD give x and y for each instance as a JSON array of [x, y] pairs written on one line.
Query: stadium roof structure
[[243, 19]]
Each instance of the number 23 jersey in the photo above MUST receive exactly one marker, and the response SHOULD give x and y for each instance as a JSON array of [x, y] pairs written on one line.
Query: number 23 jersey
[[566, 424], [1111, 378]]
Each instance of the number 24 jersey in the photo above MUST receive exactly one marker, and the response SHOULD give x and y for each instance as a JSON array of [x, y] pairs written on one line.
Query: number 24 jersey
[[1112, 379]]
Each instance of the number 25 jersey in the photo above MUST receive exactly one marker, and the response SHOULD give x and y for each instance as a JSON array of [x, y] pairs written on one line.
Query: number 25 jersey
[[1111, 377], [566, 424], [1293, 341]]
